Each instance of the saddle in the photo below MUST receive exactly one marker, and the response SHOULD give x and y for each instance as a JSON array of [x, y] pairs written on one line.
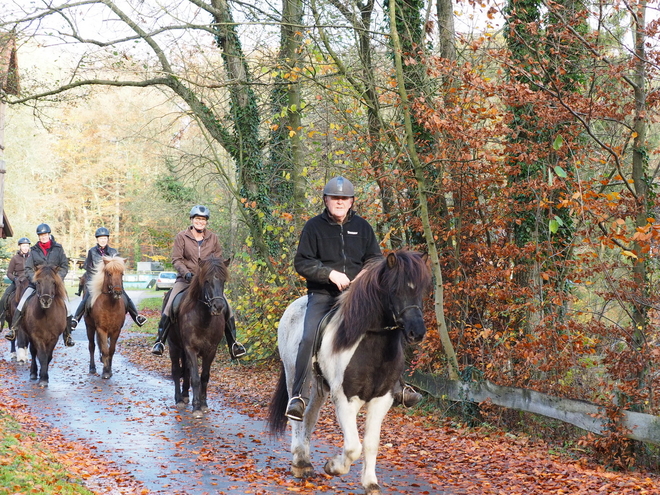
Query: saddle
[[176, 303]]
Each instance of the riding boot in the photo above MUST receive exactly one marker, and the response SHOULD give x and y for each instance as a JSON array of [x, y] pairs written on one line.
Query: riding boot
[[66, 336], [11, 333], [133, 312], [163, 331], [404, 395], [317, 306], [236, 349], [80, 312]]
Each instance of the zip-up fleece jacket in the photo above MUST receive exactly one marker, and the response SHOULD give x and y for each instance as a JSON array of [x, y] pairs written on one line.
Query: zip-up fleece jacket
[[16, 266], [326, 245], [187, 252], [54, 257]]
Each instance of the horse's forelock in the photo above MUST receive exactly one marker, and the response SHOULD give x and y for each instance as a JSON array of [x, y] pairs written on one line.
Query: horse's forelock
[[47, 271], [208, 269], [114, 265]]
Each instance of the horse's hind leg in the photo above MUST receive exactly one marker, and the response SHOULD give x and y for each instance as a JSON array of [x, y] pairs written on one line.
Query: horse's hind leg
[[195, 381], [207, 361], [346, 412], [111, 351], [44, 361]]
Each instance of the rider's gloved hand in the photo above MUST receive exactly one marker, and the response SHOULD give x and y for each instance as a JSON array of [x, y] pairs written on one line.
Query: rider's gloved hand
[[188, 277]]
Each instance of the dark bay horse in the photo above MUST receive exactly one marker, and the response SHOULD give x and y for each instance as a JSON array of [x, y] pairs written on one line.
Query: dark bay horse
[[107, 311], [196, 333], [44, 319], [360, 357]]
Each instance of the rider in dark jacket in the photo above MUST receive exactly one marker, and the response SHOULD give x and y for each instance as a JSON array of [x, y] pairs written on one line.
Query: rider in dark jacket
[[45, 252], [94, 257], [15, 270], [334, 247]]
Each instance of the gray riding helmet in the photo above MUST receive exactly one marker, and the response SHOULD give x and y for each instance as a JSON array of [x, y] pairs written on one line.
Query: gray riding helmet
[[24, 240], [200, 211], [339, 186], [102, 231]]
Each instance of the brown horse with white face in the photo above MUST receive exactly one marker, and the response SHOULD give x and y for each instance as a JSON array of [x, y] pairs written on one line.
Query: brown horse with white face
[[107, 312], [44, 320]]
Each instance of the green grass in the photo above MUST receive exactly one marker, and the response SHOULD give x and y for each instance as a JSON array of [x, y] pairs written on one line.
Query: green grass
[[29, 467], [153, 303]]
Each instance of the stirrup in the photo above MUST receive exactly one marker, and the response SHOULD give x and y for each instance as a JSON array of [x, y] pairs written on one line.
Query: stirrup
[[74, 323], [293, 409], [237, 350], [140, 320], [158, 349], [413, 397], [11, 335]]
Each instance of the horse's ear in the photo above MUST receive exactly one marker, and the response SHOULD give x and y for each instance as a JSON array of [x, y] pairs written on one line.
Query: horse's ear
[[391, 260], [227, 261], [425, 257], [106, 260]]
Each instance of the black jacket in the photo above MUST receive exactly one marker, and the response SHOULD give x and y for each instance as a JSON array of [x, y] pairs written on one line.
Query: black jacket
[[326, 245], [54, 257], [94, 257]]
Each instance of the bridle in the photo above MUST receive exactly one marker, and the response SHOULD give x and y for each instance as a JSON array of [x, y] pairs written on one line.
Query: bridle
[[397, 315]]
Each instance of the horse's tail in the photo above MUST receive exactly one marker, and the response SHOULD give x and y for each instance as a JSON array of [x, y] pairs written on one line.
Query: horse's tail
[[276, 418]]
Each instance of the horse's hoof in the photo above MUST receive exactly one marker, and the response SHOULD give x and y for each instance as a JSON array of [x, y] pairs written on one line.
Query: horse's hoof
[[180, 406], [33, 376], [205, 409], [186, 400], [12, 356], [335, 468], [43, 383], [106, 375], [304, 470], [92, 370], [373, 489], [198, 414]]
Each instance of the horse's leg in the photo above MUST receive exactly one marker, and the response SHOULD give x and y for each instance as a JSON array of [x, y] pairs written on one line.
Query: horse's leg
[[376, 412], [301, 433], [102, 342], [91, 335], [346, 412], [195, 381], [33, 365], [175, 358], [44, 361], [111, 350], [207, 361]]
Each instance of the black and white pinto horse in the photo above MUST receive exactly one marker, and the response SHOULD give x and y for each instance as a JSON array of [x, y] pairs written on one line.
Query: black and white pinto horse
[[361, 358]]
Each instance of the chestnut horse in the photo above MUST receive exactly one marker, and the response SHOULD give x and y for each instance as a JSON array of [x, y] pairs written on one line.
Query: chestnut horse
[[197, 332], [44, 319], [360, 358], [107, 311]]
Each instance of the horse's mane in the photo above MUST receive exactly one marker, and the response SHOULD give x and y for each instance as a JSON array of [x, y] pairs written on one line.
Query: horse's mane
[[114, 264], [209, 268], [361, 307], [50, 271]]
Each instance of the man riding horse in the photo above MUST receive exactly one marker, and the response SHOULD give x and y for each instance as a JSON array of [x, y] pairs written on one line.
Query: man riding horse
[[44, 252], [15, 270], [94, 257], [333, 248], [192, 245]]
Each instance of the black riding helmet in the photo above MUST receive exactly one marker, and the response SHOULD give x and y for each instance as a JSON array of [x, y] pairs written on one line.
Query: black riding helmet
[[102, 231], [24, 240], [43, 228]]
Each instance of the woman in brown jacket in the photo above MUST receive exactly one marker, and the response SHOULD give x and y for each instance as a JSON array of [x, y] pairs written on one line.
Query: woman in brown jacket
[[190, 246], [15, 270]]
